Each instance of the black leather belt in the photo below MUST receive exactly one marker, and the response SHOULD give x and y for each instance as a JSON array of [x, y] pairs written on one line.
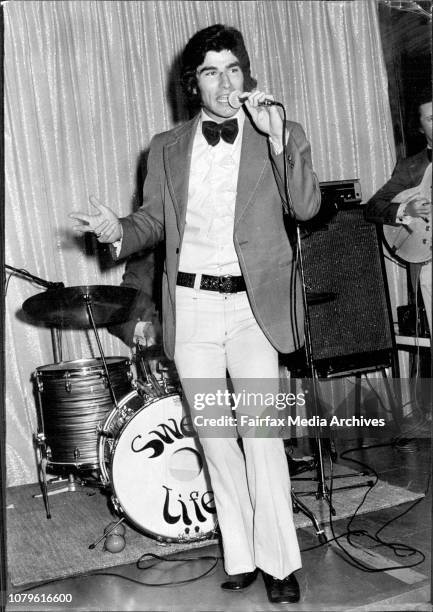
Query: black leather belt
[[223, 284]]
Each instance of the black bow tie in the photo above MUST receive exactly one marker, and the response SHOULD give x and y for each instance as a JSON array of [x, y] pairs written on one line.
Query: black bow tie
[[227, 130]]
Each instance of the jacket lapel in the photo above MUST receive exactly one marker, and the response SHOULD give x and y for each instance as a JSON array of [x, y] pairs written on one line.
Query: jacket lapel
[[253, 163], [177, 161]]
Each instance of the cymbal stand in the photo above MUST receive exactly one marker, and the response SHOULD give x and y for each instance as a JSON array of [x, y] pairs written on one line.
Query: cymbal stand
[[56, 339], [88, 301]]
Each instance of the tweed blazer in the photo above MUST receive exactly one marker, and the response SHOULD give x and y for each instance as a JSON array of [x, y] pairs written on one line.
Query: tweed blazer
[[260, 237]]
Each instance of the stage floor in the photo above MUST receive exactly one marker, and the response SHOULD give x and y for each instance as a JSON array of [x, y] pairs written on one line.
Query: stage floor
[[328, 582]]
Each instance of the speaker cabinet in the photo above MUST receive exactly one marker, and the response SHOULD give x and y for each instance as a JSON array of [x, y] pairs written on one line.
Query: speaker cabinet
[[351, 330]]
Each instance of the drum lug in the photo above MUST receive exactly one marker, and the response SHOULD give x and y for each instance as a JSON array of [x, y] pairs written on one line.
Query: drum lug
[[67, 383], [116, 505], [39, 438]]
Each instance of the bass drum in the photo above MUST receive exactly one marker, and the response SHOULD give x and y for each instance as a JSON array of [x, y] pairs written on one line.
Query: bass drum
[[149, 458]]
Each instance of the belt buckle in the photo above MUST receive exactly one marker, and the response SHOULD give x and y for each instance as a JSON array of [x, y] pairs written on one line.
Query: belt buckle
[[225, 283]]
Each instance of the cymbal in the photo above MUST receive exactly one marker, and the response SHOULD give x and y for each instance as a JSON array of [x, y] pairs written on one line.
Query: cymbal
[[320, 298], [66, 306]]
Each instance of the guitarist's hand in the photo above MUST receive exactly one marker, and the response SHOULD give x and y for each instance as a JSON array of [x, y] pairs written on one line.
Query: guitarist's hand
[[418, 207]]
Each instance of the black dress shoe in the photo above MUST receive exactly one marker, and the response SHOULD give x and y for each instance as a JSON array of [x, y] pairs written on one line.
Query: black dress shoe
[[282, 591], [237, 582]]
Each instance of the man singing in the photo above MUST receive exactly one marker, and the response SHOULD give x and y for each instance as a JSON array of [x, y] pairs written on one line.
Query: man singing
[[231, 293]]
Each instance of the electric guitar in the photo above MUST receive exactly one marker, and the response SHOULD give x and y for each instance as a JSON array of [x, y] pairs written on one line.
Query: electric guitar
[[413, 242]]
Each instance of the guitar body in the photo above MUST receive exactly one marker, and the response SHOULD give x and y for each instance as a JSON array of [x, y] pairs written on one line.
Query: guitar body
[[412, 243]]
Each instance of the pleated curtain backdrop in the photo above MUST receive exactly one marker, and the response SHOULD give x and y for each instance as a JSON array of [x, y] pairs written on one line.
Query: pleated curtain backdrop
[[87, 84]]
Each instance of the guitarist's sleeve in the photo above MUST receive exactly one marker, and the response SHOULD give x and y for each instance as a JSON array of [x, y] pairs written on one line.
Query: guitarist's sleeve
[[380, 208]]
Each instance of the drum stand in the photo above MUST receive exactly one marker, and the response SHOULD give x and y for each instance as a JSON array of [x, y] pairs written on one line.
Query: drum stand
[[299, 506], [62, 306], [73, 483], [56, 339]]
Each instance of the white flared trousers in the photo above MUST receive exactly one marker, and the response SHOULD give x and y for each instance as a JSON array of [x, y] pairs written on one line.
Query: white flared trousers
[[214, 333]]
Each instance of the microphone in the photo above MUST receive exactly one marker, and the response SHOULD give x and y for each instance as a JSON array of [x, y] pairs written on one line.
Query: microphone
[[235, 99]]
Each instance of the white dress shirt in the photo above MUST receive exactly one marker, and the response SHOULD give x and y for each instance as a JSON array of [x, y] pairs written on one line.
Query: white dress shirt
[[207, 244]]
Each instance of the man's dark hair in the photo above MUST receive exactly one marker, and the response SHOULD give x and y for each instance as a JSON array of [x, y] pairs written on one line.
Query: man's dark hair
[[214, 38], [420, 95], [423, 96]]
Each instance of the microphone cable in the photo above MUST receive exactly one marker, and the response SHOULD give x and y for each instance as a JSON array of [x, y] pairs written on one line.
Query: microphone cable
[[399, 549]]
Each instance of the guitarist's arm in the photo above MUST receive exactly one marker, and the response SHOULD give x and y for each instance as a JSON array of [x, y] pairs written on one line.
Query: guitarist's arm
[[380, 208]]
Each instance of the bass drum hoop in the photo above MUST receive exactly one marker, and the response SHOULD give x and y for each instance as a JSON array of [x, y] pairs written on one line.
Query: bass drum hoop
[[103, 437]]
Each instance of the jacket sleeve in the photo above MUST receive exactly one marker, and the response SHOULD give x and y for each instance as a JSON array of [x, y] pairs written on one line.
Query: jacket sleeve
[[303, 184], [145, 227], [380, 209]]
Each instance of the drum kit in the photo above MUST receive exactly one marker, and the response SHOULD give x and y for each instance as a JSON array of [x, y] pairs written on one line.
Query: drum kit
[[130, 437]]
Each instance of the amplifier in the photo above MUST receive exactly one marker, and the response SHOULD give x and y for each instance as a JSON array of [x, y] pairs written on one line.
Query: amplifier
[[341, 194], [335, 195], [353, 330]]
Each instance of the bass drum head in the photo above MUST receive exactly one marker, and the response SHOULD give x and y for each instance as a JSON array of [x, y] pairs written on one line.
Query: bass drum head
[[158, 474]]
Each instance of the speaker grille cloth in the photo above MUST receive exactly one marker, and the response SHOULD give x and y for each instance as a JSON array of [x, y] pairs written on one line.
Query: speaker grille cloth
[[345, 259]]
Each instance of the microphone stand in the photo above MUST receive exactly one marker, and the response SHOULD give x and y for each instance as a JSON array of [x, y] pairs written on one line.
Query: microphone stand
[[322, 489], [56, 334]]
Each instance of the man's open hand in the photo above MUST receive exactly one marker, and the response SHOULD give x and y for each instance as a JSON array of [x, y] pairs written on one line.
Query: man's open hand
[[104, 224]]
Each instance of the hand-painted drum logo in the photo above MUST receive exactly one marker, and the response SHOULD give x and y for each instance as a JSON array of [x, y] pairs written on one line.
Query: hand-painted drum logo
[[157, 471]]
